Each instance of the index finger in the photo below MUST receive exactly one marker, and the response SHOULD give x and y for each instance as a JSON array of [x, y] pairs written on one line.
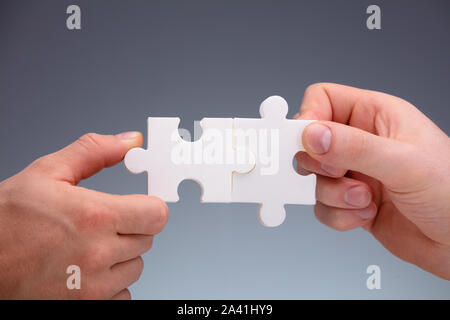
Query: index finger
[[139, 214], [135, 214], [330, 102]]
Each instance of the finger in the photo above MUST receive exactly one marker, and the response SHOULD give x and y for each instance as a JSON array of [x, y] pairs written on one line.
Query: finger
[[342, 146], [343, 193], [306, 165], [128, 247], [329, 101], [402, 237], [89, 154], [131, 214], [336, 102], [124, 274], [140, 214], [375, 186], [122, 295], [344, 219]]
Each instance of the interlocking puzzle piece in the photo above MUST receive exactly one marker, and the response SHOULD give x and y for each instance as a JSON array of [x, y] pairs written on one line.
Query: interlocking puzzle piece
[[274, 140], [210, 161], [235, 160]]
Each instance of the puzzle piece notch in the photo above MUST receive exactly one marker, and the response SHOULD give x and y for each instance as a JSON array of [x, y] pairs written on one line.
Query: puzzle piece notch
[[271, 214], [162, 159], [251, 186], [257, 186]]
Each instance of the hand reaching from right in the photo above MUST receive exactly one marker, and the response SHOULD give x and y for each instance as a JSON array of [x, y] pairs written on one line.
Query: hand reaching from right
[[381, 165]]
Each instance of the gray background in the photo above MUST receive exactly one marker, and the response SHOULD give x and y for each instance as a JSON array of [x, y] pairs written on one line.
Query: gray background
[[212, 58]]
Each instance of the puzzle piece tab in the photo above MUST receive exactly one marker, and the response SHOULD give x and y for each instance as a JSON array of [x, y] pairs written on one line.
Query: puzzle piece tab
[[210, 161], [274, 140], [235, 160]]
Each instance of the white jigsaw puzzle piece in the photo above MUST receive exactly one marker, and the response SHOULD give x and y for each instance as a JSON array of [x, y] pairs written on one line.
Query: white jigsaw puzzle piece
[[210, 161], [274, 140]]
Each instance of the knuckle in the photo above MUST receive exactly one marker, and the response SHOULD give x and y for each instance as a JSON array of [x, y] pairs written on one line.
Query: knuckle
[[370, 100], [96, 258], [329, 218], [10, 194], [373, 101], [89, 141], [15, 192], [52, 166], [41, 163], [139, 268], [148, 243], [44, 165], [314, 95], [160, 211], [311, 93], [92, 216], [126, 294], [122, 295], [314, 87], [338, 221], [98, 292], [163, 214], [358, 146], [318, 89], [339, 226], [318, 212]]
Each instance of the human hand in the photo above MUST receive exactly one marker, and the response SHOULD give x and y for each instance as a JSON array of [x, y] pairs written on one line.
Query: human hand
[[48, 223], [382, 165]]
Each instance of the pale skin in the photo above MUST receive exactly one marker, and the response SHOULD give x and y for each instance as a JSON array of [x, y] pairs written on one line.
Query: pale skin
[[49, 223], [381, 165]]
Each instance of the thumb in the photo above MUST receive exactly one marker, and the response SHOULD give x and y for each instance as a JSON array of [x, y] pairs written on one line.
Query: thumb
[[89, 154], [390, 161]]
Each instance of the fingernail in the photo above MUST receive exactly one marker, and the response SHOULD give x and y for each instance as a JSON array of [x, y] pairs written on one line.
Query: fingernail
[[331, 170], [296, 115], [357, 196], [366, 213], [127, 135], [318, 138]]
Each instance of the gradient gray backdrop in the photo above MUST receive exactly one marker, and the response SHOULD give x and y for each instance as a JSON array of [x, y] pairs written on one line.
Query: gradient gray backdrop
[[197, 59]]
